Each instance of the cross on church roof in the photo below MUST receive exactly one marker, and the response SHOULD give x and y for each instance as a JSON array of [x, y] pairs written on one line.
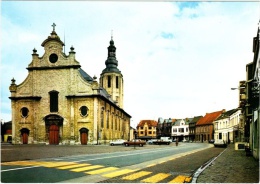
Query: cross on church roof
[[53, 25]]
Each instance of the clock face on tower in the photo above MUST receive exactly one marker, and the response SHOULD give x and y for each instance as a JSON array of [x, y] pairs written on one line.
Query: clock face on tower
[[53, 58]]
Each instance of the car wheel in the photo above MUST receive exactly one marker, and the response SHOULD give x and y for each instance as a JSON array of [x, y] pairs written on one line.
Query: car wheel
[[126, 144], [112, 144], [140, 145]]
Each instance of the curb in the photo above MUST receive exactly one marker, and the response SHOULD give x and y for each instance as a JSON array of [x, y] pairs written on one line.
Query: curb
[[203, 167]]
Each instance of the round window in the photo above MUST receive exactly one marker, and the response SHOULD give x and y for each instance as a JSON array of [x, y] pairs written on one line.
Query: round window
[[24, 112], [53, 58], [84, 110]]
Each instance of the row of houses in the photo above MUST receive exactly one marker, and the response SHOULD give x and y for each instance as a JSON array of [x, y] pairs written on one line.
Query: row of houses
[[225, 125]]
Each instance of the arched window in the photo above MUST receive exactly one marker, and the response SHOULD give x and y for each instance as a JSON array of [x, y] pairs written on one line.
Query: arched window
[[54, 99]]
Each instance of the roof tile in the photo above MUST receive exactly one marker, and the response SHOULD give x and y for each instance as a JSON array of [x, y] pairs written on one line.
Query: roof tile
[[149, 123], [209, 118]]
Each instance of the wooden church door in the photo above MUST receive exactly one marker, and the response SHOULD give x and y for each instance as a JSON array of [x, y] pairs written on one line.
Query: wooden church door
[[83, 136], [25, 137], [54, 134]]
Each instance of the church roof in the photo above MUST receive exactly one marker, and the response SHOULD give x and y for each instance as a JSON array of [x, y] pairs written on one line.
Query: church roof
[[85, 75]]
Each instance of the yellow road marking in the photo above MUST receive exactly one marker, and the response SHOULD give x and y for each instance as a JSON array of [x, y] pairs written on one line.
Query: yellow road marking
[[72, 166], [188, 179], [171, 158], [44, 164], [18, 163], [58, 164], [118, 173], [156, 178], [136, 175], [151, 165], [86, 168], [102, 170], [180, 179], [162, 162]]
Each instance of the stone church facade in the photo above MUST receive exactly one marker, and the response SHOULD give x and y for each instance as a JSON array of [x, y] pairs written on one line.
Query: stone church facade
[[59, 103]]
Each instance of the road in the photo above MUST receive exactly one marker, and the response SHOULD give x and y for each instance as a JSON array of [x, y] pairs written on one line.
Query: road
[[161, 164]]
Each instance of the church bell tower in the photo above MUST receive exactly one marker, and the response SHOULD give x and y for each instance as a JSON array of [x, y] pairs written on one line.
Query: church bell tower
[[111, 78]]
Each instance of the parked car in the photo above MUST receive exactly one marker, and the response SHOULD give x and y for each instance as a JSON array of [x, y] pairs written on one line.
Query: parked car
[[151, 141], [160, 141], [220, 143], [135, 142], [117, 142], [211, 141]]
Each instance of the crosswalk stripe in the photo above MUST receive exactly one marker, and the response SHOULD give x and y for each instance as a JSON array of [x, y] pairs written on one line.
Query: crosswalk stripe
[[102, 170], [136, 175], [18, 163], [72, 166], [180, 179], [58, 164], [86, 168], [155, 178], [151, 165], [118, 173]]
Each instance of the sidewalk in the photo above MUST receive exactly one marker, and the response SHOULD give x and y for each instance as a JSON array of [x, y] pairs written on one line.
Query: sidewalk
[[232, 166]]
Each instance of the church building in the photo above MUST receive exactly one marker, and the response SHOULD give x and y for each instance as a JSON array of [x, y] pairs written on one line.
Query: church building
[[59, 103]]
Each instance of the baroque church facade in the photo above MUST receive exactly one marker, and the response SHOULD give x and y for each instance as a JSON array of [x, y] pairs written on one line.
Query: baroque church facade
[[59, 103]]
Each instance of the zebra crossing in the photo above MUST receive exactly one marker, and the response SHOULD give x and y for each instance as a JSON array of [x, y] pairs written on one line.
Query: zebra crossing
[[105, 171]]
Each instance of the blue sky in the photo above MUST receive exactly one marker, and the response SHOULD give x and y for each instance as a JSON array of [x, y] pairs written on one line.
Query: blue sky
[[178, 59]]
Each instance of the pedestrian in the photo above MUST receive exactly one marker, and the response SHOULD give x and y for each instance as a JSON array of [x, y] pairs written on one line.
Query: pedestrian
[[176, 142]]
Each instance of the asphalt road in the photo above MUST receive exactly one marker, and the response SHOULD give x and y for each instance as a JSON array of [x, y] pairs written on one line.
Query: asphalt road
[[162, 163]]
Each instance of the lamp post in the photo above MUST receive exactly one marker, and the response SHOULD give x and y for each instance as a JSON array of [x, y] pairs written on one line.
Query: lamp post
[[135, 133], [242, 103]]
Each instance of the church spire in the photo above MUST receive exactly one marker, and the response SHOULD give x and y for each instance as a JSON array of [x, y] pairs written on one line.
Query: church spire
[[111, 62]]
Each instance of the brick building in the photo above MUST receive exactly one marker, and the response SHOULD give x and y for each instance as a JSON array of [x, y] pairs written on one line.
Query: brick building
[[204, 127], [59, 103]]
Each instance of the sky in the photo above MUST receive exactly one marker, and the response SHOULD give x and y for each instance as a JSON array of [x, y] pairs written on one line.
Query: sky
[[178, 59]]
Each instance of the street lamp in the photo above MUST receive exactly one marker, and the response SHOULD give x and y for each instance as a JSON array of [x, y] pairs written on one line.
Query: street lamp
[[135, 133], [241, 105]]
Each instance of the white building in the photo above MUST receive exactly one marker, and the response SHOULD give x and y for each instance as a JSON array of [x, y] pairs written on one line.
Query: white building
[[180, 129], [227, 126]]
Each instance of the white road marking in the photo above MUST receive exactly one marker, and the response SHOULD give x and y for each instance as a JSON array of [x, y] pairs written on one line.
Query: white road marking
[[19, 168]]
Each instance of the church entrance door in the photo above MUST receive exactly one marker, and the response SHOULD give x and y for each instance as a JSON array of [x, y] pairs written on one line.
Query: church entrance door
[[24, 134], [54, 134], [83, 136], [53, 128]]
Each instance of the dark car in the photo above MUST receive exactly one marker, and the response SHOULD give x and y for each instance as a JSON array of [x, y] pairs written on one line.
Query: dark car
[[211, 141]]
